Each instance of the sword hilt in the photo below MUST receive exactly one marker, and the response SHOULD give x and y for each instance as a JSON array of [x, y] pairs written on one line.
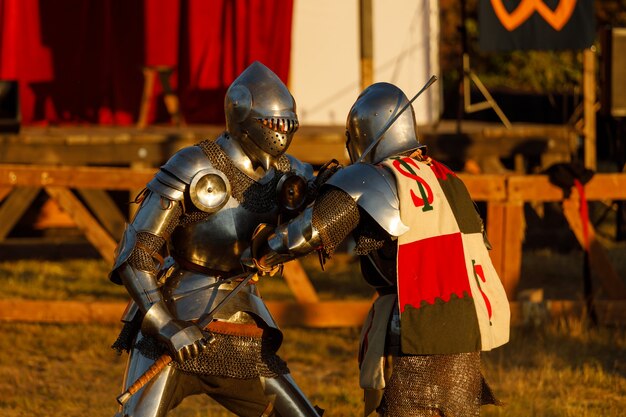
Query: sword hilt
[[166, 359], [154, 369]]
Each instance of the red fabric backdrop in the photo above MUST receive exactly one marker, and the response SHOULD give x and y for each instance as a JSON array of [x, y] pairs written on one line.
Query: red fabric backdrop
[[80, 61]]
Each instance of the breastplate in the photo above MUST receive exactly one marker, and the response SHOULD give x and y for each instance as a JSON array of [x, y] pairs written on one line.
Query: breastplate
[[218, 241]]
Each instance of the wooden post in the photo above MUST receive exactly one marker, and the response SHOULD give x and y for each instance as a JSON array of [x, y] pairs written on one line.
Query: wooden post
[[5, 191], [95, 233], [14, 206], [149, 78], [105, 210], [171, 99], [299, 282], [589, 100], [495, 234], [367, 43], [512, 245]]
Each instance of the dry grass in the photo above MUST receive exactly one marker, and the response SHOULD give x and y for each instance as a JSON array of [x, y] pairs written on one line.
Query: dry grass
[[561, 369]]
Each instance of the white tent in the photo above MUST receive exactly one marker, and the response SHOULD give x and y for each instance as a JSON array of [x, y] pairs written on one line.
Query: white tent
[[325, 61]]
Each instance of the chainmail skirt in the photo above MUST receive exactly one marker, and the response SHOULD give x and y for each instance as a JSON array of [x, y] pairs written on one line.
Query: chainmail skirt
[[429, 385], [230, 355]]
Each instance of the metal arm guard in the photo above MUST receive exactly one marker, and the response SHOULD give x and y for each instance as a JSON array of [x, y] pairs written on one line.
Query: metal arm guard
[[292, 240], [139, 253], [144, 238], [160, 210], [321, 226], [374, 190], [140, 257]]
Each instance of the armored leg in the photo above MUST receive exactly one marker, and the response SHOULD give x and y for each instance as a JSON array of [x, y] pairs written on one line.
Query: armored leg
[[288, 400], [158, 396]]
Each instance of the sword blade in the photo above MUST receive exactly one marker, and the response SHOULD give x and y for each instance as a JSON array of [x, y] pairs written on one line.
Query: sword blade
[[208, 317]]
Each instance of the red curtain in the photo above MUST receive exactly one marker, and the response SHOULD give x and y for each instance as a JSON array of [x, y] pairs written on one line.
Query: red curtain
[[80, 61]]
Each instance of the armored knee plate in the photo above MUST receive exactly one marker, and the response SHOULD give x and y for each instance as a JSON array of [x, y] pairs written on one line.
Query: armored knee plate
[[288, 400]]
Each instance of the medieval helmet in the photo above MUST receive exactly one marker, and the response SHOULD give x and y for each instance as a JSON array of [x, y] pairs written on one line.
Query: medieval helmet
[[261, 112], [375, 107]]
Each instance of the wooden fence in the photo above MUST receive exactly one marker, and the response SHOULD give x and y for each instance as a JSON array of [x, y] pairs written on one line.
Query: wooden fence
[[102, 222]]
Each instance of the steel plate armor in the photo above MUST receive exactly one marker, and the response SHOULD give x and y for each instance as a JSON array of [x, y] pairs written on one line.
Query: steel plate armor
[[375, 107], [362, 201], [196, 218], [262, 112]]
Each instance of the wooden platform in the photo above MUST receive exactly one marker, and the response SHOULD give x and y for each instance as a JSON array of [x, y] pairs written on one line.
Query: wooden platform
[[153, 145], [76, 167]]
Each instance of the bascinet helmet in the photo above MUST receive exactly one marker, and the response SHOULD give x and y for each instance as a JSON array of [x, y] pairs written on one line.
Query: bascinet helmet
[[375, 107], [261, 111]]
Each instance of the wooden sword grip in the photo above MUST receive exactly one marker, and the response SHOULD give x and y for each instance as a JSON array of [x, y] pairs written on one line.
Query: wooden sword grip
[[154, 369]]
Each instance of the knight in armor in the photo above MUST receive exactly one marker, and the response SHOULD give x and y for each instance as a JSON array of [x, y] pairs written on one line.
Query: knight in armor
[[196, 218], [421, 245]]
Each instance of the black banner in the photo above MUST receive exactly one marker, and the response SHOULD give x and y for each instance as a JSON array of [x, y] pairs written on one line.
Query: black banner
[[506, 25]]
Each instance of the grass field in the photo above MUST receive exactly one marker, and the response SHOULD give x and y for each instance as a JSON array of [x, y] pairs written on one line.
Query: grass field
[[563, 368], [560, 370]]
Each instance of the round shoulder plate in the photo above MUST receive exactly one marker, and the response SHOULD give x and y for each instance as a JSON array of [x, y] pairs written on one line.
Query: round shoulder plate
[[291, 191], [209, 190]]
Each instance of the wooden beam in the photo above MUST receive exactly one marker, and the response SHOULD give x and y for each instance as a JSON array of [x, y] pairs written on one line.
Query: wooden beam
[[87, 153], [74, 176], [288, 313], [532, 188], [489, 187], [539, 188], [5, 191], [52, 311], [95, 233], [105, 145], [485, 187], [105, 210], [606, 187], [299, 283], [322, 314], [14, 207]]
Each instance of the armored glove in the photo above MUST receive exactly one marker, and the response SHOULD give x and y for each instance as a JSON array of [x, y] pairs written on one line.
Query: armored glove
[[183, 339], [258, 255]]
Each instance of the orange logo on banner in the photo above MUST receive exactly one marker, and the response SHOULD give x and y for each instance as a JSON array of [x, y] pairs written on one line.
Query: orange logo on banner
[[556, 18]]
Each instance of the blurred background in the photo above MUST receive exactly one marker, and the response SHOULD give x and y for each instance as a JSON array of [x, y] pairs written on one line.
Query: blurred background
[[529, 110]]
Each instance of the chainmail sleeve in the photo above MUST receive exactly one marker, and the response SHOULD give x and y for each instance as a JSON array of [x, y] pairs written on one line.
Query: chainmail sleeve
[[335, 216], [146, 252]]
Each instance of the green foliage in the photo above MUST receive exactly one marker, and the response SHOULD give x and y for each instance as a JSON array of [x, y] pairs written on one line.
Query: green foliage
[[542, 72], [531, 71]]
